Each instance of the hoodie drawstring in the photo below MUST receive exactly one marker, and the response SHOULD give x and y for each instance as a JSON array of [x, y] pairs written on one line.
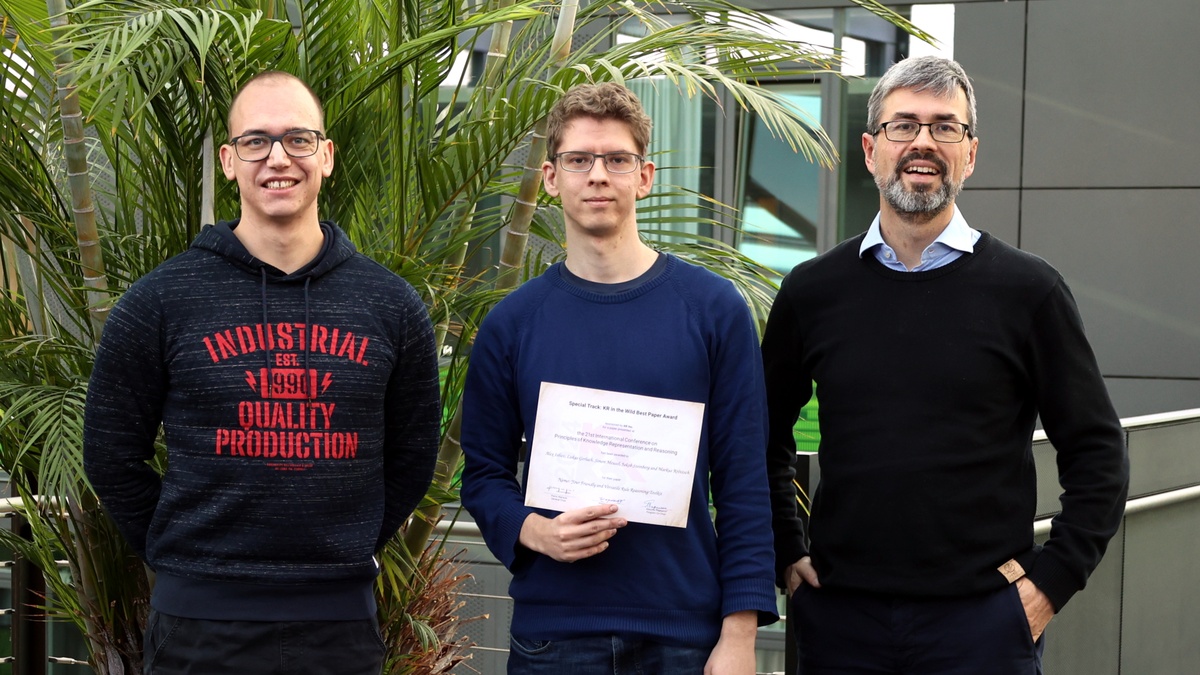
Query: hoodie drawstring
[[266, 327], [312, 394]]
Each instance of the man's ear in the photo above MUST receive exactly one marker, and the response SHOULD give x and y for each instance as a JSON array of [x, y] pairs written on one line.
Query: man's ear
[[868, 146], [550, 178], [970, 167], [645, 179], [327, 159], [228, 157]]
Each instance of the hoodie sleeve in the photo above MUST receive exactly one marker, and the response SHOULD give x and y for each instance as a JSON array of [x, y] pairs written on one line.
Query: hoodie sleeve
[[413, 411], [123, 412]]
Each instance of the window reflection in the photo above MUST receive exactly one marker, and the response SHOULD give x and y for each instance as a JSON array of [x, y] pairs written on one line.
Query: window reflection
[[780, 191]]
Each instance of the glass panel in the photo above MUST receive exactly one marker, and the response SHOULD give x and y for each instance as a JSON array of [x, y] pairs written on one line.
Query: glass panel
[[938, 21], [859, 196], [675, 148], [780, 190]]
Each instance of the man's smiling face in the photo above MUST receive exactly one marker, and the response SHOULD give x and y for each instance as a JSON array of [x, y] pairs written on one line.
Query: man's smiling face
[[920, 178], [280, 190]]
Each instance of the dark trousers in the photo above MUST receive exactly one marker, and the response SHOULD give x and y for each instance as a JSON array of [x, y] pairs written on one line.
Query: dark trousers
[[177, 646], [850, 633]]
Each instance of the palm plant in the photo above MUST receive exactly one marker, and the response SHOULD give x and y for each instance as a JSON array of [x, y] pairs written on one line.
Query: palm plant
[[426, 181]]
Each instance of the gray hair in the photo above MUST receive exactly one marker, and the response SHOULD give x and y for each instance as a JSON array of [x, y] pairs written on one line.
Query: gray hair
[[935, 74]]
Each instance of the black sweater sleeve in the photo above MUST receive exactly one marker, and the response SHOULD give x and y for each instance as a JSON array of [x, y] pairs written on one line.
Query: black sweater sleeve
[[789, 387], [1093, 465]]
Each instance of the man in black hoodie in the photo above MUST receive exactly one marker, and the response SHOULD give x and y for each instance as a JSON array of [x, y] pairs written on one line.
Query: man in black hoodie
[[295, 381]]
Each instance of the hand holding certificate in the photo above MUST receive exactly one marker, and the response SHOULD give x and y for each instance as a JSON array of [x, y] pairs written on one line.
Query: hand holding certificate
[[593, 446]]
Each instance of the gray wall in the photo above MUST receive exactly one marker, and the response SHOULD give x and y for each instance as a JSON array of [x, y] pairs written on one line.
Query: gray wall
[[1088, 157], [1138, 614]]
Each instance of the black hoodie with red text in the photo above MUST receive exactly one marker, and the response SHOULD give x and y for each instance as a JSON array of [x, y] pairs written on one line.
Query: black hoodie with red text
[[300, 413]]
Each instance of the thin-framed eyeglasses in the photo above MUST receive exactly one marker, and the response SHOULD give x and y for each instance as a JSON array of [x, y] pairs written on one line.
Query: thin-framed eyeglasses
[[614, 162], [297, 143], [901, 131]]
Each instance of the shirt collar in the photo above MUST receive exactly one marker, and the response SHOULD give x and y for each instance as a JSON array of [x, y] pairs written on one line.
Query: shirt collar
[[957, 235]]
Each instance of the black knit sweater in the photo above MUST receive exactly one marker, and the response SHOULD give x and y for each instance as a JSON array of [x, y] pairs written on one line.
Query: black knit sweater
[[930, 384], [300, 413]]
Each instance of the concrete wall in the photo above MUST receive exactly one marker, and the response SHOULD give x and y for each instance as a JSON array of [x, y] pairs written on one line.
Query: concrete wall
[[1088, 144]]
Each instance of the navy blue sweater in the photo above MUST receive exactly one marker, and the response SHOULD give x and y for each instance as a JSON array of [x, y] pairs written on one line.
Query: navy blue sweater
[[685, 334], [300, 413], [930, 384]]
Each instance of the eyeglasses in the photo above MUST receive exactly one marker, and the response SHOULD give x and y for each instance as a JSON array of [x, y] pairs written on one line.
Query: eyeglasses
[[257, 147], [614, 162], [906, 130]]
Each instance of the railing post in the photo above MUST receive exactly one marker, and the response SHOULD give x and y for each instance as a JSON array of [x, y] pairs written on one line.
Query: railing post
[[29, 622]]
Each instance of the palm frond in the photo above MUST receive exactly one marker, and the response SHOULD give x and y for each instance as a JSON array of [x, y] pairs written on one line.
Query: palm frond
[[429, 163]]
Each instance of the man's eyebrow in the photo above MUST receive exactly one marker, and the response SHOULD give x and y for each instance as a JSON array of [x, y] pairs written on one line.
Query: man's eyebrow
[[265, 132], [902, 115]]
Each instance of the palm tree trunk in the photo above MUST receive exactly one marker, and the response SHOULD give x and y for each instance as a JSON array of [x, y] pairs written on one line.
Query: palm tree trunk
[[91, 261], [497, 54], [34, 294], [85, 510], [207, 189], [512, 253], [12, 278], [12, 285], [416, 537], [516, 235], [91, 256]]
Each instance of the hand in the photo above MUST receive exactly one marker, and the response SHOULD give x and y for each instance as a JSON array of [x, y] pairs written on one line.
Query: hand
[[734, 653], [1038, 608], [800, 572], [571, 535]]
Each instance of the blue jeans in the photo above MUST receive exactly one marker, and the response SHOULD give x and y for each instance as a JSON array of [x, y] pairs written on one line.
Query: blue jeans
[[607, 655], [842, 632], [178, 646]]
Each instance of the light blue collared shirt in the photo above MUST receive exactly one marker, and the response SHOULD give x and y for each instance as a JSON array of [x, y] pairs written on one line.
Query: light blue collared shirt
[[958, 238]]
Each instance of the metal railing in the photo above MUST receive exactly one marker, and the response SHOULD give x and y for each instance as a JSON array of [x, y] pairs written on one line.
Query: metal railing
[[1075, 631], [1111, 612]]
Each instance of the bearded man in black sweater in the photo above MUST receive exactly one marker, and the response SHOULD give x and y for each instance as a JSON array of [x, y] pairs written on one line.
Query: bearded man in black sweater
[[933, 349]]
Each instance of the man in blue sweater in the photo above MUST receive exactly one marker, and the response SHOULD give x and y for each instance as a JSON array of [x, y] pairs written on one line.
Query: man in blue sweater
[[295, 383], [934, 348], [596, 590]]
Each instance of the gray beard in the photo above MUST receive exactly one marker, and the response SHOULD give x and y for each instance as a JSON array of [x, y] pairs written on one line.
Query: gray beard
[[922, 205]]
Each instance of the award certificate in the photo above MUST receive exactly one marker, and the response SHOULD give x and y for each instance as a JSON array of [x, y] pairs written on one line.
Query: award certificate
[[592, 446]]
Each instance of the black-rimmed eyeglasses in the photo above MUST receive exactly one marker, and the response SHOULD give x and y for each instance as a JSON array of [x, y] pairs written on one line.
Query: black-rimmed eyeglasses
[[614, 162], [296, 143], [901, 131]]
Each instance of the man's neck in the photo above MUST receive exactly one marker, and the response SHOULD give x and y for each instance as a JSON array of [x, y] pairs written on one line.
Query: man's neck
[[910, 234], [609, 260], [284, 247]]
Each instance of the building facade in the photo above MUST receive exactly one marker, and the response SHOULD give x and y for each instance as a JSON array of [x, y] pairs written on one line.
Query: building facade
[[1087, 159]]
